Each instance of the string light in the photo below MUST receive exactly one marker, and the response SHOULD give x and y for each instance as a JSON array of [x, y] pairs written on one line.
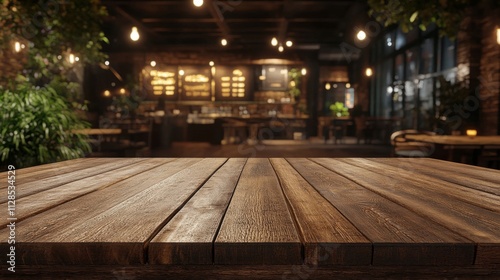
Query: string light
[[303, 71], [368, 72], [289, 43], [153, 63], [198, 3], [274, 41], [361, 35], [134, 34], [223, 42], [280, 48]]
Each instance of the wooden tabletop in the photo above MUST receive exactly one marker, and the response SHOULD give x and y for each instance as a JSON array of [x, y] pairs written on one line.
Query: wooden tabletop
[[460, 140], [256, 211], [99, 131]]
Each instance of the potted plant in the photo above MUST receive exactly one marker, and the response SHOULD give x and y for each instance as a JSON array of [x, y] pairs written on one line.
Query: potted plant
[[339, 110], [37, 126]]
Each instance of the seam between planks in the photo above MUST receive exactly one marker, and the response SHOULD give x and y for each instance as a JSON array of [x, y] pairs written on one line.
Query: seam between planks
[[290, 209], [169, 217], [410, 209], [225, 211]]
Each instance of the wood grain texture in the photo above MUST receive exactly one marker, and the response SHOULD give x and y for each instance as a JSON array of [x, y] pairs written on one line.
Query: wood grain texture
[[399, 236], [258, 227], [328, 237], [429, 183], [30, 205], [57, 178], [66, 228], [188, 237], [486, 180], [263, 272], [471, 221]]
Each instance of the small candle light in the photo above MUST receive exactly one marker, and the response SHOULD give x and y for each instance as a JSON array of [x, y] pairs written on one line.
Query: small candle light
[[471, 133]]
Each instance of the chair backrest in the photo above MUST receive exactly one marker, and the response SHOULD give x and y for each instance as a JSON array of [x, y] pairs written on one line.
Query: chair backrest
[[405, 147], [400, 135]]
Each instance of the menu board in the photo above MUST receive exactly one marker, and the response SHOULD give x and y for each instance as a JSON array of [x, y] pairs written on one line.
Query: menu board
[[232, 83], [274, 77], [195, 83], [162, 81]]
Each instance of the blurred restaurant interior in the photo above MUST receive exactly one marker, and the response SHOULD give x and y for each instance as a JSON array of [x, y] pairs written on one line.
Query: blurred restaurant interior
[[251, 72]]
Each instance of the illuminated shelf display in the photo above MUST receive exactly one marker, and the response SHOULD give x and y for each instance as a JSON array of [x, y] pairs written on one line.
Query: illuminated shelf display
[[195, 83], [232, 83], [160, 82]]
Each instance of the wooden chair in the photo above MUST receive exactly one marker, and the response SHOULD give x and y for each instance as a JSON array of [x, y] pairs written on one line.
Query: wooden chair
[[403, 147]]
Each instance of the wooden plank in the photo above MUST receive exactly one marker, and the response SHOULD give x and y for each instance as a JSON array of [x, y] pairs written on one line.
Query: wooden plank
[[254, 272], [258, 227], [58, 178], [328, 237], [34, 173], [483, 179], [399, 236], [188, 237], [428, 183], [97, 228], [31, 205], [471, 221]]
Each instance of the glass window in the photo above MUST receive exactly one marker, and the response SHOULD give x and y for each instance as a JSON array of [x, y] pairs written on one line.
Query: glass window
[[400, 39], [426, 115], [427, 56], [388, 43], [411, 63], [385, 96], [447, 54], [399, 67]]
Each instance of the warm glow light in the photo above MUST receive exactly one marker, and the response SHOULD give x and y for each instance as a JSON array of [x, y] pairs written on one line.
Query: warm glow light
[[289, 43], [181, 72], [198, 3], [122, 91], [71, 58], [77, 58], [274, 41], [107, 93], [106, 63], [368, 72], [280, 48], [335, 85], [498, 36], [328, 86], [134, 34], [211, 63], [17, 47], [303, 71], [348, 85], [361, 35], [223, 42], [471, 132]]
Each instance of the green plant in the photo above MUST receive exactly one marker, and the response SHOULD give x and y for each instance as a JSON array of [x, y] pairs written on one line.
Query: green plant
[[294, 86], [451, 98], [37, 126], [339, 110], [446, 14]]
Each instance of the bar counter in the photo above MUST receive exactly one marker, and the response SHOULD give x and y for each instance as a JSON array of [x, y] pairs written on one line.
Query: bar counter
[[255, 218]]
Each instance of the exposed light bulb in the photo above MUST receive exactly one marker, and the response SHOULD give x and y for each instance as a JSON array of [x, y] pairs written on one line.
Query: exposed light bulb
[[289, 43], [71, 58], [198, 3], [328, 86], [134, 34], [17, 46], [153, 63], [122, 91], [106, 62], [303, 71], [361, 35], [348, 85], [223, 42], [368, 72], [274, 41], [107, 93], [280, 48], [211, 63], [181, 72]]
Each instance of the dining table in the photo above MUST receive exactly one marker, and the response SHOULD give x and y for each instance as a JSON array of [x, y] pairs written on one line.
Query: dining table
[[250, 218], [447, 146]]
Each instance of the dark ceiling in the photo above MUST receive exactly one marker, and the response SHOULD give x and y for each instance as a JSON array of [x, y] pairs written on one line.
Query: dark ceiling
[[248, 25]]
